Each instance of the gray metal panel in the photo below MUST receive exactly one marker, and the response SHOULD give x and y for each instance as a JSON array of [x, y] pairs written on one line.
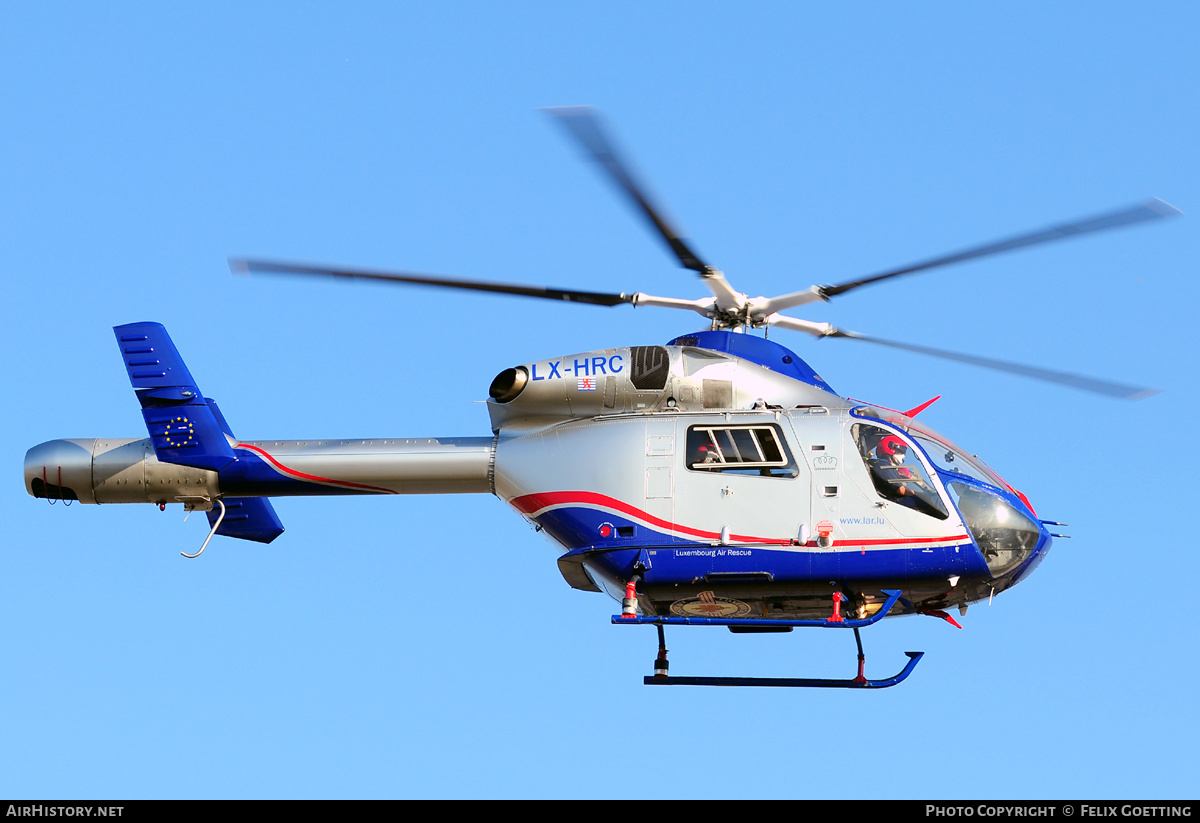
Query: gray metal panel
[[659, 484], [718, 394], [573, 571]]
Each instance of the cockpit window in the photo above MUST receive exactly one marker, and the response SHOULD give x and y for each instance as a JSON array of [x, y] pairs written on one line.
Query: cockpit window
[[896, 471], [945, 455], [756, 450], [950, 458]]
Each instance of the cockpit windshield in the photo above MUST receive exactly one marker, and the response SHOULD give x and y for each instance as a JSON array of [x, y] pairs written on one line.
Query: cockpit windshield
[[946, 456]]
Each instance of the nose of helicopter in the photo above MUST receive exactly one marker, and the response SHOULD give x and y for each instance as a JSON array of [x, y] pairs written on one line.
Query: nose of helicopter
[[1039, 551], [1044, 541], [1007, 533]]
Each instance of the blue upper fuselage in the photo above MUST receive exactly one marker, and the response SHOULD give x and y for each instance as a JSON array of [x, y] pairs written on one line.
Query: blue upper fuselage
[[758, 350]]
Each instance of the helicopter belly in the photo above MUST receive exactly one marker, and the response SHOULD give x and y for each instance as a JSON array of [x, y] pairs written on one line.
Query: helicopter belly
[[777, 583]]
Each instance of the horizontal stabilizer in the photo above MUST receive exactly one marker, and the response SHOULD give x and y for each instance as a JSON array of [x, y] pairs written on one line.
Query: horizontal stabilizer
[[248, 518], [183, 428]]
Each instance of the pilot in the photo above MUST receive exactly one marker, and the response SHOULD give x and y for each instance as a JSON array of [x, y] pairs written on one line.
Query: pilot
[[891, 476]]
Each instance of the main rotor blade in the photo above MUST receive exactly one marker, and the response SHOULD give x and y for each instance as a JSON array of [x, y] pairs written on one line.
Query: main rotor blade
[[583, 123], [1151, 210], [1090, 384], [242, 265]]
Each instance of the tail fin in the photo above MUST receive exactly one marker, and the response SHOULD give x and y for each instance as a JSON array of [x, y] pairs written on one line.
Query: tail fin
[[187, 428], [183, 427]]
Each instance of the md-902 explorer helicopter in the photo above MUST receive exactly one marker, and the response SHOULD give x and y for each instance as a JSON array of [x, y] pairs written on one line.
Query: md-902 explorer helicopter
[[740, 489]]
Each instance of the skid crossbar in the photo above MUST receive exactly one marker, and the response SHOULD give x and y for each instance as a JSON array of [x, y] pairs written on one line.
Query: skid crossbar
[[667, 620]]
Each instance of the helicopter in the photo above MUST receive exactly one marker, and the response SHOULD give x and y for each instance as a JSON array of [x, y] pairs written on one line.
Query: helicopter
[[739, 489]]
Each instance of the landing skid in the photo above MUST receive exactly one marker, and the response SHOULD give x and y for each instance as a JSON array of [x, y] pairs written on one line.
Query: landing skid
[[792, 682], [661, 664]]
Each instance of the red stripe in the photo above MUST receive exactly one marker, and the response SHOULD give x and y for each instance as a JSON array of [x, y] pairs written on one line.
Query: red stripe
[[530, 503], [310, 477], [952, 537]]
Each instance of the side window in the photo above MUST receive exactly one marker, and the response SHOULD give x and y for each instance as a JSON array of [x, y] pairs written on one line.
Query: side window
[[898, 476], [754, 450]]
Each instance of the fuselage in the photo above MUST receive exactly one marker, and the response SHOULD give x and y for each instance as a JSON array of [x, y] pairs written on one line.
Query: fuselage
[[719, 470], [734, 482]]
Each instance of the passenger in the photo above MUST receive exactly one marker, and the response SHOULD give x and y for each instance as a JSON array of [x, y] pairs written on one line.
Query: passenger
[[704, 454]]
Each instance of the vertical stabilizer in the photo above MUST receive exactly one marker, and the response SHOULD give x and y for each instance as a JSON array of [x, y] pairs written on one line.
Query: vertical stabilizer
[[183, 428]]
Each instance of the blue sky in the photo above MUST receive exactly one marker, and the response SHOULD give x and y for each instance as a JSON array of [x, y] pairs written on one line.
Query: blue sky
[[426, 646]]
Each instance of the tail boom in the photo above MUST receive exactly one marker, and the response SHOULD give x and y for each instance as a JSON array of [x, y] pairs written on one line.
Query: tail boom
[[106, 470]]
